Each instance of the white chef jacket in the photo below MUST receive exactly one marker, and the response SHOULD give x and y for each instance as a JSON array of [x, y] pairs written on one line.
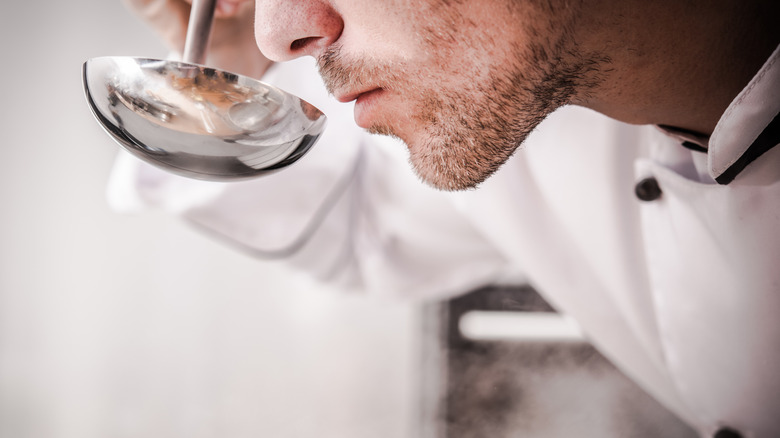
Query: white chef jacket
[[680, 290]]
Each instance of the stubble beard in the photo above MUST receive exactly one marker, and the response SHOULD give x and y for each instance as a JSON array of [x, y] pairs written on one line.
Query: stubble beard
[[474, 126], [471, 134]]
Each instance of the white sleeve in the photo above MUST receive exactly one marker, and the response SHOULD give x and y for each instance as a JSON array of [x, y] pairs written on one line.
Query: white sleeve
[[350, 212]]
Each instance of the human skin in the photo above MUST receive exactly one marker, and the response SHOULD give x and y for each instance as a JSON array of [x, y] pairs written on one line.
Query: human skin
[[447, 79], [463, 82]]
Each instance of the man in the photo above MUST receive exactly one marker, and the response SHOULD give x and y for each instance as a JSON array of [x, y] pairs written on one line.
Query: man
[[463, 82], [660, 240]]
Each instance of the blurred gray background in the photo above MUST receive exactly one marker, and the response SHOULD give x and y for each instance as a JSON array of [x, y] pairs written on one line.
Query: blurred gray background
[[117, 326]]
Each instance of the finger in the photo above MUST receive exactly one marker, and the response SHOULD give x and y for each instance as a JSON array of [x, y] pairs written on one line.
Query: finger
[[166, 17], [229, 8]]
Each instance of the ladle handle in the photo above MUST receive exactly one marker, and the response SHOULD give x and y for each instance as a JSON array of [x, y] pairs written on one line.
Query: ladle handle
[[198, 30]]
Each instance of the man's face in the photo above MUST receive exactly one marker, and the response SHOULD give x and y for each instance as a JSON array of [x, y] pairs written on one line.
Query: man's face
[[462, 83]]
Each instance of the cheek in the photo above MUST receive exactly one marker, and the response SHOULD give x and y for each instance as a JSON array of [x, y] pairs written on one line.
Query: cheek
[[381, 31]]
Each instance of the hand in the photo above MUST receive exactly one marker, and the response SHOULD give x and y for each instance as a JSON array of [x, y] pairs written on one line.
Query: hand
[[232, 46]]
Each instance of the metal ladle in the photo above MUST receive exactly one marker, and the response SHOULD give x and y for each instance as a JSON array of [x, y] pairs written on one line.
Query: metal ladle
[[196, 121]]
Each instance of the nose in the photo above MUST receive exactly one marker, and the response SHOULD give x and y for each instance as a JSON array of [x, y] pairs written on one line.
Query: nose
[[288, 29]]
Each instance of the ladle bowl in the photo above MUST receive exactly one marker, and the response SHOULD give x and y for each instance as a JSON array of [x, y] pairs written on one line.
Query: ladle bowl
[[197, 121]]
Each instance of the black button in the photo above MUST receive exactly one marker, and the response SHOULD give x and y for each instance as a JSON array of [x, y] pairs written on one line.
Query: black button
[[727, 432], [648, 189]]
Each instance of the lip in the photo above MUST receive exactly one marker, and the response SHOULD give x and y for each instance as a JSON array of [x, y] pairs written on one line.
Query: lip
[[366, 107], [365, 104], [344, 98]]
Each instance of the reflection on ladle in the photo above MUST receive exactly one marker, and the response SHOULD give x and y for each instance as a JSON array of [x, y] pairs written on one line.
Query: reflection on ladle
[[197, 121]]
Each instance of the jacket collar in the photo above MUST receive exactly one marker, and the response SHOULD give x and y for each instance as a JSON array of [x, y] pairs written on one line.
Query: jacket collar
[[749, 127]]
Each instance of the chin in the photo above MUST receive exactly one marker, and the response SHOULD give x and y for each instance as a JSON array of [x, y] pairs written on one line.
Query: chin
[[443, 168]]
